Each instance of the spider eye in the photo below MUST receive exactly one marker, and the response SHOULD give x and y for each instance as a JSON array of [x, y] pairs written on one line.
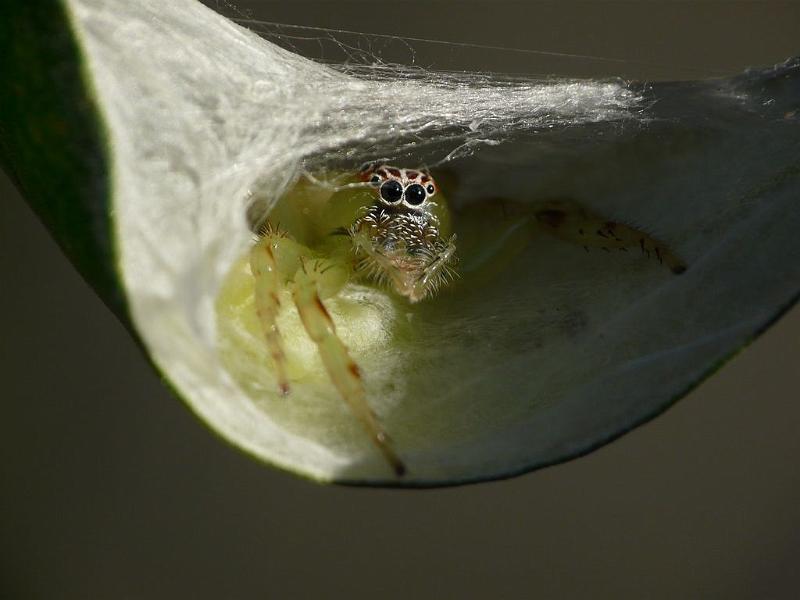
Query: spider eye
[[391, 191], [431, 189], [375, 180], [415, 194]]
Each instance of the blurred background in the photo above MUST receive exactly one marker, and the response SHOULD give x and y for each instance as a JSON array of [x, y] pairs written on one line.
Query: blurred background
[[112, 489]]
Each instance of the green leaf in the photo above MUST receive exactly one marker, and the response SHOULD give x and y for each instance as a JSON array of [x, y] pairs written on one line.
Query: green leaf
[[141, 132], [52, 142]]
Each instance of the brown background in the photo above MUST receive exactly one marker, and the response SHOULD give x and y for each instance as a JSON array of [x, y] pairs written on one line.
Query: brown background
[[111, 488]]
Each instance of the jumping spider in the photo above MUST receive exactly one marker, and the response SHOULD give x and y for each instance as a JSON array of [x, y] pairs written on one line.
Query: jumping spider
[[383, 227]]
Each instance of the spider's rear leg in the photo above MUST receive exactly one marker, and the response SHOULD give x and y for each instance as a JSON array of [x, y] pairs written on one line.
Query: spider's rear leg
[[321, 278], [572, 223]]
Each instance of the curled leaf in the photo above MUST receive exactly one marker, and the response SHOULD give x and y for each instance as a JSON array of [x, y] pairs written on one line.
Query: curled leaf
[[161, 126]]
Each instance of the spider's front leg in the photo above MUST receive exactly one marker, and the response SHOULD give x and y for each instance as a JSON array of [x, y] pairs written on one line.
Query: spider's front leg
[[271, 259], [437, 272], [321, 278]]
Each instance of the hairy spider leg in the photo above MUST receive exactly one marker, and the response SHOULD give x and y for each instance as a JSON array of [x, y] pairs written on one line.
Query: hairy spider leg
[[272, 256], [488, 248], [439, 263], [313, 276], [277, 262], [572, 223]]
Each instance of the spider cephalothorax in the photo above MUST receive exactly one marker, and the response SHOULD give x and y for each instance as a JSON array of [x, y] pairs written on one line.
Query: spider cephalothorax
[[398, 238]]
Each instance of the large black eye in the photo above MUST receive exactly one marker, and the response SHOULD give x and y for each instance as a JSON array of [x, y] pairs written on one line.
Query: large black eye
[[415, 194], [391, 191]]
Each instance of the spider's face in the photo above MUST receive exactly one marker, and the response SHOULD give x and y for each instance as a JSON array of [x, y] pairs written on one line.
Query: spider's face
[[398, 238], [409, 188]]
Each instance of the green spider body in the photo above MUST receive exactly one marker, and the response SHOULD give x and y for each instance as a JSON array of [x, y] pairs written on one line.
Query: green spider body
[[391, 228], [379, 226], [373, 228]]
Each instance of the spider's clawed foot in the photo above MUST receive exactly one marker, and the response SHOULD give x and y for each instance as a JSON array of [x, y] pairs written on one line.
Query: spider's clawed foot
[[397, 465]]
